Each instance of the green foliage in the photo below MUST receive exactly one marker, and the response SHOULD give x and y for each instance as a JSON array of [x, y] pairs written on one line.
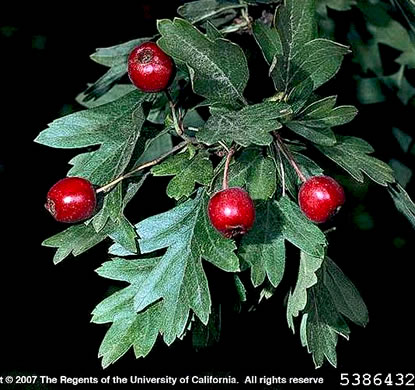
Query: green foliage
[[114, 126], [179, 278], [217, 68], [264, 247], [114, 57], [250, 125], [352, 155], [129, 139], [188, 170], [331, 296], [254, 172]]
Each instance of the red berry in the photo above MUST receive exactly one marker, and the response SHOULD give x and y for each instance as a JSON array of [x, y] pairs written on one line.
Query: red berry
[[71, 199], [149, 67], [320, 197], [231, 211]]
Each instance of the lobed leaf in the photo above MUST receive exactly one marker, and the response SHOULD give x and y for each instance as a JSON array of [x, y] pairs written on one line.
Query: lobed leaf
[[299, 230], [296, 26], [250, 125], [345, 296], [187, 171], [76, 240], [263, 248], [114, 57], [303, 55], [179, 279], [114, 126], [218, 68], [351, 154], [268, 40], [329, 297], [403, 202], [297, 300], [201, 10]]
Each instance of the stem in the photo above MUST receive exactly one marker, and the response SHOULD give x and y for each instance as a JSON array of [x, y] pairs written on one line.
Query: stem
[[225, 183], [176, 148], [289, 156], [176, 123], [282, 171]]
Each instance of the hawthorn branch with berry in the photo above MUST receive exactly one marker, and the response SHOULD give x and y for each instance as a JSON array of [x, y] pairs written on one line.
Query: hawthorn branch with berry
[[231, 215]]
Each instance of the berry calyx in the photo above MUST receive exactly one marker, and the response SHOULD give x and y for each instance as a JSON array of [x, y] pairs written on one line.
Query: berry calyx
[[320, 197], [72, 199], [149, 67], [231, 211]]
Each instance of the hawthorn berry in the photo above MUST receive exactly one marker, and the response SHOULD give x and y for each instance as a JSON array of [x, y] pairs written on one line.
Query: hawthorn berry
[[231, 211], [320, 197], [71, 199], [149, 67]]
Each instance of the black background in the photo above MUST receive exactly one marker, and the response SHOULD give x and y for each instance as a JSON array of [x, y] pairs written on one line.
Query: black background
[[45, 309]]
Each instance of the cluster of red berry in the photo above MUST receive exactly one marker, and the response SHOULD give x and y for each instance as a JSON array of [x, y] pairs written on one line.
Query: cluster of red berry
[[231, 210]]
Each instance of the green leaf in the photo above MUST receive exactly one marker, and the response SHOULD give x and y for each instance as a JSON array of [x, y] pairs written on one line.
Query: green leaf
[[156, 147], [398, 81], [351, 154], [403, 202], [212, 32], [314, 121], [307, 166], [320, 60], [334, 117], [366, 54], [187, 171], [330, 296], [295, 23], [115, 92], [299, 230], [268, 40], [200, 10], [339, 5], [114, 57], [129, 329], [179, 279], [111, 208], [240, 288], [263, 248], [75, 240], [403, 174], [124, 234], [115, 127], [297, 300], [320, 340], [139, 331], [345, 296], [408, 10], [323, 324], [207, 335], [404, 140], [304, 55], [252, 171], [369, 90], [300, 94], [250, 125], [218, 68], [392, 34], [320, 136]]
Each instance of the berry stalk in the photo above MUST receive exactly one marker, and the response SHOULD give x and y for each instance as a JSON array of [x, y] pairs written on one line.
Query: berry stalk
[[148, 164], [225, 183], [287, 153]]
